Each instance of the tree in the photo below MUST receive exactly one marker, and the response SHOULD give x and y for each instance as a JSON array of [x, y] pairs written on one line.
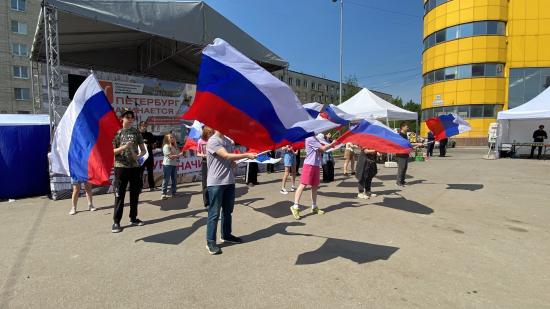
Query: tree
[[351, 85]]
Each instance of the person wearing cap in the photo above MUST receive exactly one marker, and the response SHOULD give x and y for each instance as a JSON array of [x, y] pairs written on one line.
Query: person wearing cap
[[315, 147], [149, 140], [128, 148]]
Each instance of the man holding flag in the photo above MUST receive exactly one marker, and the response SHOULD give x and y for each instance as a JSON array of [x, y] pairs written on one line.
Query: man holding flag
[[126, 143]]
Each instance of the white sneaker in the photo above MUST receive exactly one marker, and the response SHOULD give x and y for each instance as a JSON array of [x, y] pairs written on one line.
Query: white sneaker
[[362, 196], [91, 208], [73, 211], [164, 196], [372, 195], [292, 189], [283, 191]]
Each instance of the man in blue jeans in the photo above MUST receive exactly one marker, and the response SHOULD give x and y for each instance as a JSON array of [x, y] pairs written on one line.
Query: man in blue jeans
[[221, 189]]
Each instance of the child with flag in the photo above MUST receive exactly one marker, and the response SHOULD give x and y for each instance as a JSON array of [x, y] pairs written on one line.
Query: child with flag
[[311, 173]]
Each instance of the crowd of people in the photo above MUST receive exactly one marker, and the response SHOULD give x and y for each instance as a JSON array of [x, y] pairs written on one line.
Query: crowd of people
[[218, 173]]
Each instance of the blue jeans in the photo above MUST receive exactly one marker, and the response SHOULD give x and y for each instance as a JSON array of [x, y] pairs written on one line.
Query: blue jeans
[[170, 173], [221, 198]]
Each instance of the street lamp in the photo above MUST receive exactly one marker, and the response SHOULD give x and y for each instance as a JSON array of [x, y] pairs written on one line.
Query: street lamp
[[341, 42]]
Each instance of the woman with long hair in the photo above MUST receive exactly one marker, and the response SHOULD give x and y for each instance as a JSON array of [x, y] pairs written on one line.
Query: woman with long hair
[[207, 132], [169, 164]]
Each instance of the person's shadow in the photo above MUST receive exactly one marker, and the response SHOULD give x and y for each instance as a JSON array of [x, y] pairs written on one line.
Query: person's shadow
[[401, 203], [175, 237], [278, 228], [358, 252]]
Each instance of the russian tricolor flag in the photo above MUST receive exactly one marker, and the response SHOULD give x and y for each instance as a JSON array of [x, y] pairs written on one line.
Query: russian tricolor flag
[[313, 109], [82, 146], [195, 132], [245, 102], [338, 116], [446, 126], [373, 134]]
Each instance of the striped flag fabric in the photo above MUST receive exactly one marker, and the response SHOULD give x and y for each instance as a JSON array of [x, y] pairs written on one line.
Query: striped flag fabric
[[245, 102], [82, 145], [446, 126], [373, 134]]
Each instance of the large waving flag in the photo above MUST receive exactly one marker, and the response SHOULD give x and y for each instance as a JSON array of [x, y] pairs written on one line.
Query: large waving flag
[[82, 145], [446, 126], [373, 134], [313, 109], [245, 102], [195, 131], [338, 116]]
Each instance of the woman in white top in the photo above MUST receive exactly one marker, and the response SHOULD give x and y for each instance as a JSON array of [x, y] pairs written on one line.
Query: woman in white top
[[169, 164], [349, 156]]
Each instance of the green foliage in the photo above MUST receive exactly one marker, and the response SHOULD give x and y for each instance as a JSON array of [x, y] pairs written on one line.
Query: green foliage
[[351, 84]]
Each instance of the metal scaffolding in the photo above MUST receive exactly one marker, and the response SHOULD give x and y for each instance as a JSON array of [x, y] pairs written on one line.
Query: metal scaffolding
[[53, 72]]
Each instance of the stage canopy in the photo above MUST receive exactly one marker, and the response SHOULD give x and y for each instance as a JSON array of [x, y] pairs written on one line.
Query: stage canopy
[[517, 124], [366, 104], [163, 39]]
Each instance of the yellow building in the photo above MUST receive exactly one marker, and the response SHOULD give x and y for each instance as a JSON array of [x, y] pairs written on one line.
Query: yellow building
[[482, 56]]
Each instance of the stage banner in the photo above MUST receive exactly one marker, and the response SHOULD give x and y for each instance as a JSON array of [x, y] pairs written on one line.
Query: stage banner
[[159, 103]]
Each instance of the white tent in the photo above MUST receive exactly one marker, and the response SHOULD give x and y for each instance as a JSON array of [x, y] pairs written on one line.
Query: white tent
[[366, 104], [517, 124]]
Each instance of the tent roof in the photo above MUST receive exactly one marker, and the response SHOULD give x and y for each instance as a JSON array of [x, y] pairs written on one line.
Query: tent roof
[[163, 39], [537, 108], [366, 104], [22, 119]]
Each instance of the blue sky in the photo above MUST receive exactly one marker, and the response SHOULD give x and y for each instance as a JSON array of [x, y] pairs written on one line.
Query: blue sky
[[382, 38]]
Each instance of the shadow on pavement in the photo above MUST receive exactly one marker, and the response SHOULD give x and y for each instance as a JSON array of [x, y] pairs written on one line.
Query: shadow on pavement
[[358, 252], [353, 184], [278, 228], [247, 202], [466, 186], [404, 204], [390, 177], [277, 210], [175, 237], [189, 214], [174, 203], [346, 195]]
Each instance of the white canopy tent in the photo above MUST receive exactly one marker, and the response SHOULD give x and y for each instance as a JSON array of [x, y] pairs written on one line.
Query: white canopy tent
[[366, 104], [517, 124]]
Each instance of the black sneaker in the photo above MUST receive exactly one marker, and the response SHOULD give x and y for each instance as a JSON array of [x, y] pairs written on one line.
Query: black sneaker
[[213, 248], [232, 240], [137, 222], [116, 228]]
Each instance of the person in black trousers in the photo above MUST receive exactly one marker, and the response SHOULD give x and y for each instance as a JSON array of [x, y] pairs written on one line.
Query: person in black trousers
[[126, 144], [538, 137], [443, 147], [252, 174], [149, 140], [431, 144], [403, 158], [366, 169], [271, 167]]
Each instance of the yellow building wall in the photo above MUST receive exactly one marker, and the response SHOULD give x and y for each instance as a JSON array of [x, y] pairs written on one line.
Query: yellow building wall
[[463, 51], [528, 33], [464, 11], [477, 49], [465, 91]]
